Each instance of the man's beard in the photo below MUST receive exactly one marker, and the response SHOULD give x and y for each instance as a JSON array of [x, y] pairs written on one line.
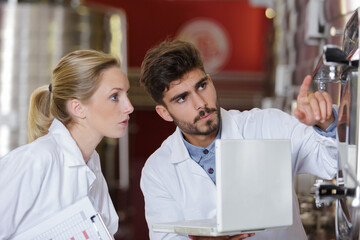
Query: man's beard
[[192, 129]]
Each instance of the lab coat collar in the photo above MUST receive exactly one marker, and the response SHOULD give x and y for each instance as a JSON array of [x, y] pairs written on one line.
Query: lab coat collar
[[179, 150], [68, 145], [229, 126]]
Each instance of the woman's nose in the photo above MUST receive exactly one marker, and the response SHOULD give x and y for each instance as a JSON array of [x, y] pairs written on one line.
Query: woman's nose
[[128, 106]]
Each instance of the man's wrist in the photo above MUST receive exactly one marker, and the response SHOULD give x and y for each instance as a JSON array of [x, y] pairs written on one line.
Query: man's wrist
[[328, 129], [324, 126]]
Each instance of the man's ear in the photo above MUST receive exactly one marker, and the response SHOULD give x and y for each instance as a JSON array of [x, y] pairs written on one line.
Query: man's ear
[[163, 112], [77, 109]]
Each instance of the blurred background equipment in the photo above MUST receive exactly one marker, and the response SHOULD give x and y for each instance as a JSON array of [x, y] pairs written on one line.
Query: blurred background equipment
[[258, 53], [338, 68], [34, 35], [311, 37]]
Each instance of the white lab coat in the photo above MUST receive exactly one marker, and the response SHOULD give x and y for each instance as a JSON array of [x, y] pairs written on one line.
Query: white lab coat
[[176, 188], [45, 176]]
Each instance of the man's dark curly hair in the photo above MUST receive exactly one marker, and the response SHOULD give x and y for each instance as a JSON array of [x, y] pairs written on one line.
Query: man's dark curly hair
[[167, 62]]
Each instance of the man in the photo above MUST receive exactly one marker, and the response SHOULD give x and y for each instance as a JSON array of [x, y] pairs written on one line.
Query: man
[[178, 179]]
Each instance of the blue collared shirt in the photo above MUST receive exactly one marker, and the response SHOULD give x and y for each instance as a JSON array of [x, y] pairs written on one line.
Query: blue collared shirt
[[205, 157], [331, 130]]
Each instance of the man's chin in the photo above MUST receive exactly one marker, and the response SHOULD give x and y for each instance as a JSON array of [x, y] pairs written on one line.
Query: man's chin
[[209, 130]]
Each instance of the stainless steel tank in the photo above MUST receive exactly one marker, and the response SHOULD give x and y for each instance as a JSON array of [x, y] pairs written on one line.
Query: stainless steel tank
[[33, 37], [339, 66]]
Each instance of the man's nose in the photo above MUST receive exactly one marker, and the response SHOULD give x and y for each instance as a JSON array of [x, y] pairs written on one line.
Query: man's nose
[[198, 101]]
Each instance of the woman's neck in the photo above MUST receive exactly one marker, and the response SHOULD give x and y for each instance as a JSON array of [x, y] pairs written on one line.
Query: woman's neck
[[85, 139]]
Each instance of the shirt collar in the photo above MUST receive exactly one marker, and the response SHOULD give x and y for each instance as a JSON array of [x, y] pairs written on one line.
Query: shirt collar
[[180, 152]]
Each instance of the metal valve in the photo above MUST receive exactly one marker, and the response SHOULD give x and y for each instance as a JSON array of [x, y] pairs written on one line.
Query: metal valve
[[326, 192]]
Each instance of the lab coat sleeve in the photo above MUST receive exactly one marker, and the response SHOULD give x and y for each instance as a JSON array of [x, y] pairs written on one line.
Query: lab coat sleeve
[[311, 152], [20, 182], [160, 206]]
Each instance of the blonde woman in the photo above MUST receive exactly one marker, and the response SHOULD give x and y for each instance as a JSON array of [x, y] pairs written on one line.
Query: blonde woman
[[86, 100]]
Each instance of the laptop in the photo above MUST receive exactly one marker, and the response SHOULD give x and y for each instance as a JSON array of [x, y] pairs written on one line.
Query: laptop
[[254, 190]]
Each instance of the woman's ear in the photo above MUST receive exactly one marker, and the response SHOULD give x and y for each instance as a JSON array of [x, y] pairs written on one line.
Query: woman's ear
[[163, 113], [77, 109]]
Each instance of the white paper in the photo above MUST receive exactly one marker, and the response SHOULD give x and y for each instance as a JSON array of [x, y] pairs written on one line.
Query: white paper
[[79, 221]]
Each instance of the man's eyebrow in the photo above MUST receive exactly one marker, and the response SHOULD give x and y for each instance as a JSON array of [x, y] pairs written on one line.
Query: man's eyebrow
[[200, 82], [181, 95], [184, 94]]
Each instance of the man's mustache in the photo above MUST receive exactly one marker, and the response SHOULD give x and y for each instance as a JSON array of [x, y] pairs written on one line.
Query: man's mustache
[[203, 112]]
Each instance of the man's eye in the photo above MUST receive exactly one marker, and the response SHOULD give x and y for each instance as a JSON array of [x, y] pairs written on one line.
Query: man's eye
[[181, 99], [202, 86]]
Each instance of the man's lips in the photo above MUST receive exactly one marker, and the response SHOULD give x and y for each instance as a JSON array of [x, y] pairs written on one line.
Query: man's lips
[[206, 116]]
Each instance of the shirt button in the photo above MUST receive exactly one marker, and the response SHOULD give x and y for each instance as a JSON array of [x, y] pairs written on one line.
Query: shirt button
[[206, 151], [211, 171]]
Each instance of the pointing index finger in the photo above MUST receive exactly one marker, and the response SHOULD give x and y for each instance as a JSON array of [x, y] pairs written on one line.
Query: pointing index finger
[[304, 88]]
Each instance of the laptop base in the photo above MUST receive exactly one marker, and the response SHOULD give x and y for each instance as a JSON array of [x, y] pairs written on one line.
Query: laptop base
[[203, 227]]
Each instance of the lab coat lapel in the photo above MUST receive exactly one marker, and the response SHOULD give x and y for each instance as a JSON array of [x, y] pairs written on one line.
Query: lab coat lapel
[[197, 170], [71, 152], [67, 143], [179, 151], [181, 156]]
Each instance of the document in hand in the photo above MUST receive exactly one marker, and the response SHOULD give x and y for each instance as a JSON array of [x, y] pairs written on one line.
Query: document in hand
[[78, 221]]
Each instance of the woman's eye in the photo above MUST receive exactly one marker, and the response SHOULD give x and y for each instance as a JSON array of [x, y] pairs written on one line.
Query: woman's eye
[[114, 97]]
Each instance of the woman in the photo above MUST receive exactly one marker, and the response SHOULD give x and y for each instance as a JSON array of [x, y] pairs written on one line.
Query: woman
[[86, 100]]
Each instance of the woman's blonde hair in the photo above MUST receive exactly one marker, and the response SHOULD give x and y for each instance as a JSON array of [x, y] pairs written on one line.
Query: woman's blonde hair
[[76, 76]]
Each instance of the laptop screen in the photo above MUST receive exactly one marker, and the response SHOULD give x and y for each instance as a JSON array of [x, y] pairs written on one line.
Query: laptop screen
[[254, 184]]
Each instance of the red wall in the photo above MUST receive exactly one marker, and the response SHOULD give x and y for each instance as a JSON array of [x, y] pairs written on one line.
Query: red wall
[[150, 22]]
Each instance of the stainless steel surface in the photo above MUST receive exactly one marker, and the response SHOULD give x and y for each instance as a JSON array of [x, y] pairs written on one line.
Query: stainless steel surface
[[296, 57], [342, 70], [327, 71], [33, 38]]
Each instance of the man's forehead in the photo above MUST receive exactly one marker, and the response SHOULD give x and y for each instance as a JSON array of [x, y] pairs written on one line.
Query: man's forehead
[[170, 91], [194, 77], [188, 80], [175, 83]]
